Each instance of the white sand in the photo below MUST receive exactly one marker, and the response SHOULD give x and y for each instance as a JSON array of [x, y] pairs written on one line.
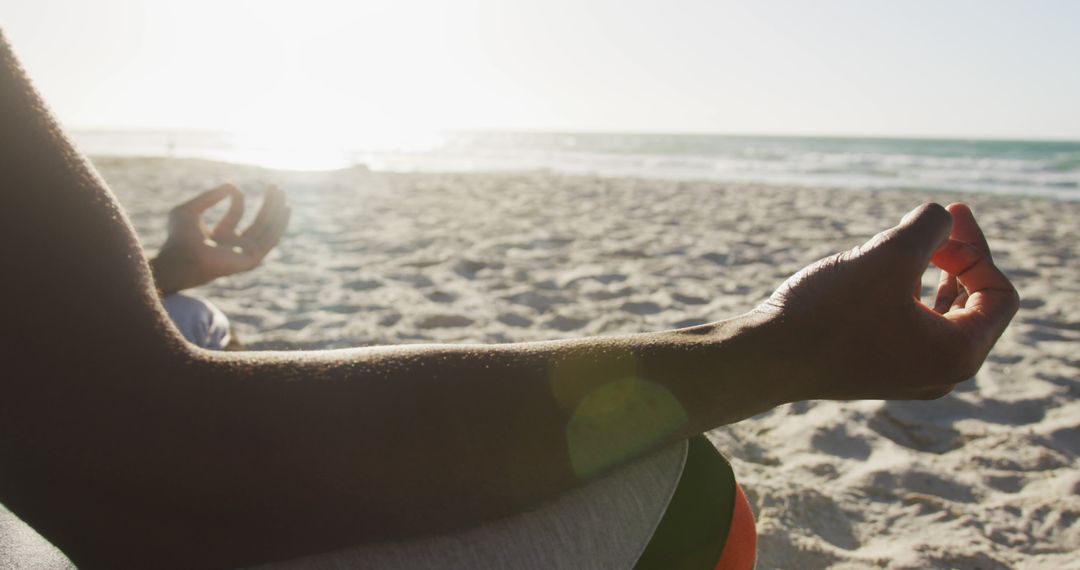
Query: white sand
[[985, 478]]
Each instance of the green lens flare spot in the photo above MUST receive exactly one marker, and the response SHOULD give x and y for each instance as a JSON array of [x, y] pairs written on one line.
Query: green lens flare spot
[[618, 420]]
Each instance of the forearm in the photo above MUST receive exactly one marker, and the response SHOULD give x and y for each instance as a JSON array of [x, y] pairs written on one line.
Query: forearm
[[394, 441], [262, 456]]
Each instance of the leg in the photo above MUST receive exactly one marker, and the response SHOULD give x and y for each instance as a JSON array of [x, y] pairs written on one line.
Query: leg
[[605, 524], [708, 524], [740, 549], [679, 508]]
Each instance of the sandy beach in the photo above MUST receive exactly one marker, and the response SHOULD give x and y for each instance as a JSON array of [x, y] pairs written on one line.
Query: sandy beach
[[987, 477]]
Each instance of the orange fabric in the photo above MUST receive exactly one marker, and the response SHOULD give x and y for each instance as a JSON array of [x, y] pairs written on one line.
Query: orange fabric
[[740, 548]]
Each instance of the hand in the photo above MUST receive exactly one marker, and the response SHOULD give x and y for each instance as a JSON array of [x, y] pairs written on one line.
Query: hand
[[855, 330], [194, 254]]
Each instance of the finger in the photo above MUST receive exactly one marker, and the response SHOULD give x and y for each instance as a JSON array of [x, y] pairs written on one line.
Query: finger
[[206, 200], [227, 226], [960, 302], [911, 244], [972, 267], [260, 245], [966, 229], [272, 235], [273, 201], [991, 299], [916, 290], [946, 292]]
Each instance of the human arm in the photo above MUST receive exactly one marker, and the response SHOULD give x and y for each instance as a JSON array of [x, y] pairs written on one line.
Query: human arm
[[122, 444], [195, 254], [126, 447], [266, 456]]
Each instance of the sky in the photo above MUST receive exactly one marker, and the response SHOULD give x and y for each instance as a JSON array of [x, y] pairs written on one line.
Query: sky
[[371, 70]]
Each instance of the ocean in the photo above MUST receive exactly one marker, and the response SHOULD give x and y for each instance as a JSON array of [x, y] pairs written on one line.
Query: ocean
[[1024, 168]]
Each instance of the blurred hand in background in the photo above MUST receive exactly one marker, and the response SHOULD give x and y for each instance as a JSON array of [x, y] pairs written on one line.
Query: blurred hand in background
[[194, 254]]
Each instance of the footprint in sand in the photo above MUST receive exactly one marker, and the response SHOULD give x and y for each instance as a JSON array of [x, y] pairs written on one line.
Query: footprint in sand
[[642, 308], [468, 268], [345, 268], [298, 324], [920, 482], [605, 294], [443, 321], [1043, 335], [894, 423], [1007, 483], [390, 319], [1061, 325], [1031, 303], [602, 278], [418, 281], [564, 323], [1066, 438], [540, 302], [609, 278], [688, 299], [362, 285], [717, 258], [342, 309], [829, 521], [253, 320], [514, 320], [442, 297], [836, 440], [548, 285]]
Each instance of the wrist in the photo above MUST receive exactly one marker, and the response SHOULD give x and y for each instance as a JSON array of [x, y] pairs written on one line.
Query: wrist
[[761, 353], [166, 273], [791, 354], [734, 369]]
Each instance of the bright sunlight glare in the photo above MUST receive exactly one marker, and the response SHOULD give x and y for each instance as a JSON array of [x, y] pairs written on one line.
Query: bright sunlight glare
[[309, 81], [322, 93]]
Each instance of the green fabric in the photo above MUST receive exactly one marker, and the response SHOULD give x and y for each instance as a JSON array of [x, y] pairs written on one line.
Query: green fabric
[[694, 528]]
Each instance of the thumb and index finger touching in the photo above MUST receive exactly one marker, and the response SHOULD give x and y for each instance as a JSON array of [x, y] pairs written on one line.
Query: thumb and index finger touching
[[264, 231], [227, 226], [203, 202], [966, 229], [191, 211], [992, 299], [951, 294], [273, 204], [270, 222], [911, 243], [952, 240]]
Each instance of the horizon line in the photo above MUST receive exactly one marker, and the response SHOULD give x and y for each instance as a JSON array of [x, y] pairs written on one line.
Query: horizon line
[[632, 132]]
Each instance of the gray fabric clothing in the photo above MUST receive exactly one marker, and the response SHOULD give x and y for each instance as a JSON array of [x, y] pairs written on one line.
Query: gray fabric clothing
[[603, 525]]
